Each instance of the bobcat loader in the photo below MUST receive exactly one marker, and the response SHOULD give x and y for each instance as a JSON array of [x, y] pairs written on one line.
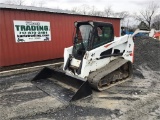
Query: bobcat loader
[[96, 60]]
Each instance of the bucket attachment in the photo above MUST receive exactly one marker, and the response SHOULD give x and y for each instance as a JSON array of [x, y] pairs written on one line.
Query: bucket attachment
[[58, 84]]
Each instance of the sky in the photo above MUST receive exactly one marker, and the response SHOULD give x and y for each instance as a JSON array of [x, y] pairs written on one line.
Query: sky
[[117, 5], [131, 6]]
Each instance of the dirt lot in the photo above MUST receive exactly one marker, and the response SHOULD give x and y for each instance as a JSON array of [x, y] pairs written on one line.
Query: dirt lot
[[137, 99]]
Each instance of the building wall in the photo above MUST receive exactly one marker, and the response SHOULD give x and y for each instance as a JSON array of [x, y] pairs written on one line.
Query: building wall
[[62, 27]]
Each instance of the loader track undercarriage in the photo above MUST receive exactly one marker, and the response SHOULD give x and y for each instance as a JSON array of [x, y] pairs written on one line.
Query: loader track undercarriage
[[116, 72]]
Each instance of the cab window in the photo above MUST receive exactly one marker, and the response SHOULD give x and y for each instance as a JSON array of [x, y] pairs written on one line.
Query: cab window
[[104, 35]]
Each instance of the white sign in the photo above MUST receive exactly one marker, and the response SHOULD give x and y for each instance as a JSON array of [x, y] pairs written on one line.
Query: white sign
[[29, 31]]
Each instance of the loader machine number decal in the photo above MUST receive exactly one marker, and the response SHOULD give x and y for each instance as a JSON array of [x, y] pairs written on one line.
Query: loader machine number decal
[[29, 31]]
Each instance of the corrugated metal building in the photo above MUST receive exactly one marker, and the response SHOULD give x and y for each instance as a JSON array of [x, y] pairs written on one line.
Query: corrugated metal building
[[61, 33]]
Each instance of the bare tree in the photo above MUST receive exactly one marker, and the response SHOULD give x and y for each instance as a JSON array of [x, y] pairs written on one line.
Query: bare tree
[[123, 14], [147, 13], [84, 9], [33, 3], [156, 22], [7, 1], [93, 11], [15, 2], [41, 3], [108, 11], [98, 13], [19, 2], [75, 10]]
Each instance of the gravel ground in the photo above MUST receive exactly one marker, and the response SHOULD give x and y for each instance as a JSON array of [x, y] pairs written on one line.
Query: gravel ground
[[147, 52], [137, 99]]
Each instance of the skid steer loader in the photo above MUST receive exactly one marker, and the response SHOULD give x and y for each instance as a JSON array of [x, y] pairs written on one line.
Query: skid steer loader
[[96, 60]]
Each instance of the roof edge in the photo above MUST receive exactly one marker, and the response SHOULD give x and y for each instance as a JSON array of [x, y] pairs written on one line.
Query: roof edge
[[43, 9]]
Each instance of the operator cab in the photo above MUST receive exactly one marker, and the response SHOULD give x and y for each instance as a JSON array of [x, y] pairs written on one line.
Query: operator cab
[[90, 35]]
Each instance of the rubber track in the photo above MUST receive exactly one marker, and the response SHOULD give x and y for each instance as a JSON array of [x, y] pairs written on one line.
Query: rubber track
[[96, 76]]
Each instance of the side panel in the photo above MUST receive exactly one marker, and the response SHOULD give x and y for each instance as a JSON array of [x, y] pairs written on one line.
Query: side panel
[[93, 60]]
